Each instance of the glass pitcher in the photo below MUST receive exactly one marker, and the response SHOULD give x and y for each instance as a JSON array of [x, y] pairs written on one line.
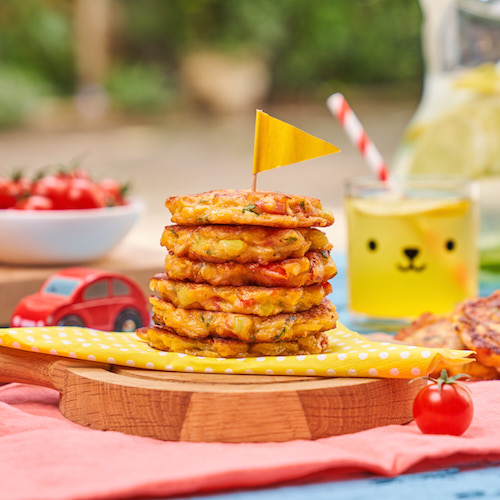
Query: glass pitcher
[[456, 127]]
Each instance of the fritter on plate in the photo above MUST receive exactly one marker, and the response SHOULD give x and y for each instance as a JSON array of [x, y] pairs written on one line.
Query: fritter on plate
[[313, 268], [262, 301], [478, 324], [198, 324], [261, 208], [431, 330], [167, 340], [440, 331], [242, 243]]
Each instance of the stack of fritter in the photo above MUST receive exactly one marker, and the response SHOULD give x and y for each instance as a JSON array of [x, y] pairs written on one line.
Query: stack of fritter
[[246, 275], [474, 324]]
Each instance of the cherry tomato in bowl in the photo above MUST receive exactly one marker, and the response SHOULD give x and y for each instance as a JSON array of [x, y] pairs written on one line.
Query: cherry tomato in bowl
[[63, 217], [444, 406], [34, 202], [54, 187], [72, 189], [13, 189]]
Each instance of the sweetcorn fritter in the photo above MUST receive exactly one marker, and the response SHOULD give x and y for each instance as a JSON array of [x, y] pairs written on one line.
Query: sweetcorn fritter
[[460, 329], [312, 268], [262, 208], [246, 274], [242, 243], [198, 323], [478, 325], [167, 340], [258, 300]]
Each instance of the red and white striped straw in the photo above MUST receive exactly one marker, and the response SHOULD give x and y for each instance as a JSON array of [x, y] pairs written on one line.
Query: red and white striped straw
[[339, 107]]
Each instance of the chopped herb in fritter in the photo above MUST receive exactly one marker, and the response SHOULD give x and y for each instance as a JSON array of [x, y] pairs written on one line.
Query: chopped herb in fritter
[[206, 321], [250, 208]]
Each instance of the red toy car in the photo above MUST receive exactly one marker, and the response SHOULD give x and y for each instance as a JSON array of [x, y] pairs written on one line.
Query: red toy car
[[79, 296]]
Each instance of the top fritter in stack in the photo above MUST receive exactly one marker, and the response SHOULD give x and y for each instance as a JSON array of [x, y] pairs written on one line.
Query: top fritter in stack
[[246, 275]]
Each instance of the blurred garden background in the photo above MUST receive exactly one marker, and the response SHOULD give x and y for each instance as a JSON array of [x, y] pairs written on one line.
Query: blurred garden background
[[162, 94], [145, 54]]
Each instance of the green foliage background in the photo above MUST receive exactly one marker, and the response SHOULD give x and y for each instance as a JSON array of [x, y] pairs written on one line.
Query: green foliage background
[[308, 44]]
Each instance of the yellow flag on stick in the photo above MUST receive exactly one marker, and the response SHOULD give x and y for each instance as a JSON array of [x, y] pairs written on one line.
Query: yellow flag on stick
[[278, 144]]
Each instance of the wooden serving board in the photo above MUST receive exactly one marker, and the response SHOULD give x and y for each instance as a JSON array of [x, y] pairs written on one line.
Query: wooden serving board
[[210, 407]]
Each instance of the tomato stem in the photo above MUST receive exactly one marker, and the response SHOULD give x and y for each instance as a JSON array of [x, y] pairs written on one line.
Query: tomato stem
[[445, 379]]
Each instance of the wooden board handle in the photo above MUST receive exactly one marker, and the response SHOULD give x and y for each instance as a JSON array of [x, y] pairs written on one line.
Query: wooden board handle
[[30, 368]]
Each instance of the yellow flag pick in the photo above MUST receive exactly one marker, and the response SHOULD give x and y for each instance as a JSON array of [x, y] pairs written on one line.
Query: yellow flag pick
[[278, 144]]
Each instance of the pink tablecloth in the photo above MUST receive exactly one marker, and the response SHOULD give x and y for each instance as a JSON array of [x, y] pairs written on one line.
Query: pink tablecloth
[[44, 456]]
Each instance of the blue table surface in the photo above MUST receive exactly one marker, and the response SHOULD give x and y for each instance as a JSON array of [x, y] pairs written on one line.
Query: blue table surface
[[443, 484], [480, 480]]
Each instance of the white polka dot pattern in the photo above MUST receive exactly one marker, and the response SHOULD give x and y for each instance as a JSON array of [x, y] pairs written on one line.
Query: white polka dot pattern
[[349, 354]]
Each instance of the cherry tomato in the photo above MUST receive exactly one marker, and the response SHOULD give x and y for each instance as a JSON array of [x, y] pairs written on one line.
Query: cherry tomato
[[83, 193], [114, 191], [68, 188], [79, 172], [7, 195], [34, 202], [444, 406], [13, 189], [21, 185], [54, 187], [72, 172]]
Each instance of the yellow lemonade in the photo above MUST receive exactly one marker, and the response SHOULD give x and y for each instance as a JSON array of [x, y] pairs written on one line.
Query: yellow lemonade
[[410, 254]]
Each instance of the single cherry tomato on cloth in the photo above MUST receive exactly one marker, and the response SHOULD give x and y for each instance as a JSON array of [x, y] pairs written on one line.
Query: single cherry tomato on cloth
[[444, 406]]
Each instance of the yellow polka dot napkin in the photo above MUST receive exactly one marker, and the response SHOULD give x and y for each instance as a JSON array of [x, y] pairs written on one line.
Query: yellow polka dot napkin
[[349, 354]]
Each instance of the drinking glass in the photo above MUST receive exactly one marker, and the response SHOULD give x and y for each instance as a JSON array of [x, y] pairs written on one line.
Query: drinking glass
[[412, 247]]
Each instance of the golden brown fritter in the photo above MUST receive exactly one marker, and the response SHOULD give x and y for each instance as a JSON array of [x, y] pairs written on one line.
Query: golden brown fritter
[[478, 324], [242, 243], [167, 340], [262, 301], [197, 323], [259, 208], [431, 330], [476, 370], [313, 268]]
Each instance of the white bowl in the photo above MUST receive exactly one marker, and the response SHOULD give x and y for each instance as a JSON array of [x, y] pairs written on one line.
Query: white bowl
[[34, 237]]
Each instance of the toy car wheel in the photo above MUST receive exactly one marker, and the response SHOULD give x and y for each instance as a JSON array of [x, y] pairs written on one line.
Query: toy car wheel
[[71, 320], [128, 321]]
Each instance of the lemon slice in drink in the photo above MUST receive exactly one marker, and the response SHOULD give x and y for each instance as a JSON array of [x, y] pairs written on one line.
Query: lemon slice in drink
[[404, 207]]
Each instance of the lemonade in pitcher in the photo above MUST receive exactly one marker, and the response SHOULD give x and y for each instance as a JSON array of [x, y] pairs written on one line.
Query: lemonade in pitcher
[[411, 249], [456, 127]]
